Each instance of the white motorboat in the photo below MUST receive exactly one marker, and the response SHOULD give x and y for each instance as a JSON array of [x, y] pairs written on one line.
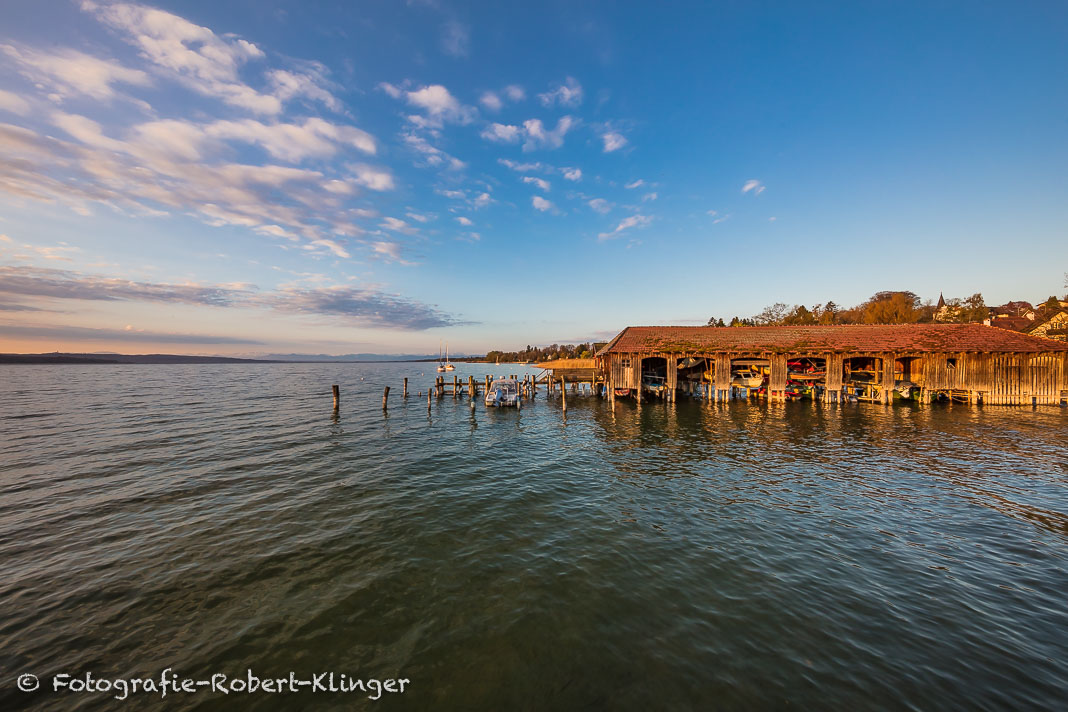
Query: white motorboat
[[503, 392]]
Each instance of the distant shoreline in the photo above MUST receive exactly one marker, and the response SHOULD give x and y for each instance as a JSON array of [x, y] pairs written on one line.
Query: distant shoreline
[[80, 359]]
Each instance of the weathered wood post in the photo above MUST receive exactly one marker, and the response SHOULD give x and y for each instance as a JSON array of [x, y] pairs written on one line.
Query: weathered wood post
[[455, 385], [487, 383], [427, 400], [887, 380], [471, 387], [563, 395], [405, 394], [385, 398], [337, 397]]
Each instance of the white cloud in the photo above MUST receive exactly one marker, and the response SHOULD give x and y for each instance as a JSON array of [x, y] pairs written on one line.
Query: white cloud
[[613, 141], [600, 205], [635, 184], [455, 38], [432, 156], [329, 245], [390, 250], [371, 177], [315, 138], [567, 94], [543, 184], [572, 174], [515, 92], [13, 103], [194, 55], [440, 106], [541, 203], [482, 200], [753, 185], [397, 225], [464, 221], [538, 137], [418, 218], [713, 213], [392, 90], [338, 187], [649, 197], [491, 101], [501, 133], [519, 167], [772, 219], [533, 134], [68, 73], [288, 85], [633, 221]]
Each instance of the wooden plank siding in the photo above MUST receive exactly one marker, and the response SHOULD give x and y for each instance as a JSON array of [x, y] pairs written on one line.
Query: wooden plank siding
[[723, 371], [997, 378]]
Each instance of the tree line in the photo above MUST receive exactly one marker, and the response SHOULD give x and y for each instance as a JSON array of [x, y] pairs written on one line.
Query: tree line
[[544, 353], [890, 307]]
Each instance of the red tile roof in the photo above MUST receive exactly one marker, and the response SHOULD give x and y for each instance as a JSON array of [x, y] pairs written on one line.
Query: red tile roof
[[857, 338], [1012, 323]]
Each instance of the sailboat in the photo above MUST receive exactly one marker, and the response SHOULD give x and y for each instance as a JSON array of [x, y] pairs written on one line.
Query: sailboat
[[448, 366], [444, 365]]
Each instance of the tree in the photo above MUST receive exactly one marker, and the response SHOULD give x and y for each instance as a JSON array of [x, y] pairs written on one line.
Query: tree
[[974, 308], [720, 323], [773, 315], [828, 314], [799, 316], [892, 308]]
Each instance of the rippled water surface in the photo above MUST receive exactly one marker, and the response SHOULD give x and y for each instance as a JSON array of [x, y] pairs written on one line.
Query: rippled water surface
[[213, 519]]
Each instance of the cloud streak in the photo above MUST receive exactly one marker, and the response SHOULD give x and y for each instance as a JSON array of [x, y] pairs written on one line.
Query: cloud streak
[[22, 288], [634, 221]]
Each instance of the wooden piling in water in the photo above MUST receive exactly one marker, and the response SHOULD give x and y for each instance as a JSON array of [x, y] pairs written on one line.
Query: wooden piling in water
[[471, 387], [405, 393], [563, 395], [337, 397], [385, 398]]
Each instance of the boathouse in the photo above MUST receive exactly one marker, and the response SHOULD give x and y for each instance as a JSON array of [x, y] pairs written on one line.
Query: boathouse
[[965, 362]]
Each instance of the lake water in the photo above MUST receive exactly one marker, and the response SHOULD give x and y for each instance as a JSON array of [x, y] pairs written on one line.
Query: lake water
[[216, 519]]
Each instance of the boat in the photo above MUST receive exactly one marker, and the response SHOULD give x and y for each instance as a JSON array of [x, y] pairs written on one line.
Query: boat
[[655, 384], [503, 392], [905, 390], [747, 378], [444, 365]]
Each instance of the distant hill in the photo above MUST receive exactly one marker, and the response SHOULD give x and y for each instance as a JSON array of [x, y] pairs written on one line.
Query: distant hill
[[106, 357], [348, 358], [65, 358]]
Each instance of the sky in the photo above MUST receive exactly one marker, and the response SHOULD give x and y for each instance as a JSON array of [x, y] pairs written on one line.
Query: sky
[[253, 177]]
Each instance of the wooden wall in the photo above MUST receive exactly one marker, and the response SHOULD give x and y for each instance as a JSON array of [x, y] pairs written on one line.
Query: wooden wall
[[835, 368], [777, 379], [1000, 378]]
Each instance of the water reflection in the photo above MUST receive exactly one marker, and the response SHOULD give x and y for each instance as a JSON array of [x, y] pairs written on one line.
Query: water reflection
[[683, 556]]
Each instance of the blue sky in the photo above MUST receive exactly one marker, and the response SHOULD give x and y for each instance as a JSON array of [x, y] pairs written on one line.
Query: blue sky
[[254, 177]]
